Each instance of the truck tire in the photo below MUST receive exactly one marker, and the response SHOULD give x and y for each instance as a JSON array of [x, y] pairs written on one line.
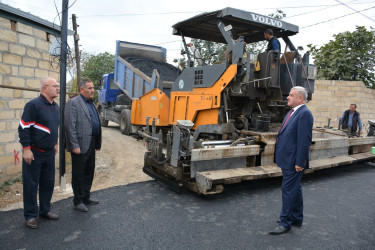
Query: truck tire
[[125, 124], [103, 121]]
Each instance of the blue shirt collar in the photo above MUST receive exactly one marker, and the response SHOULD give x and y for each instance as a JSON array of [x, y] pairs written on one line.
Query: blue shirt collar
[[84, 98]]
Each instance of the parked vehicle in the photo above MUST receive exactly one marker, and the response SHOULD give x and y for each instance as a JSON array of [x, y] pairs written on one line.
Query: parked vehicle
[[139, 69]]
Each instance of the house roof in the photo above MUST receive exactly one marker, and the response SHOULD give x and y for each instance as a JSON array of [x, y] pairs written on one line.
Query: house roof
[[18, 15]]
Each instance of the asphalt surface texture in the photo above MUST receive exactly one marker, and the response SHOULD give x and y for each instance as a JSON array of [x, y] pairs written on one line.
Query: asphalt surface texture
[[339, 214]]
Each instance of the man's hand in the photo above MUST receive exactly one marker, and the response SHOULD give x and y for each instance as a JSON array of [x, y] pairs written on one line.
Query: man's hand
[[299, 169], [56, 149], [76, 151], [28, 156]]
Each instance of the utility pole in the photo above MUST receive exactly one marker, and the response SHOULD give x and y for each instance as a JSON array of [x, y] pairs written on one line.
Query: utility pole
[[63, 58], [76, 46]]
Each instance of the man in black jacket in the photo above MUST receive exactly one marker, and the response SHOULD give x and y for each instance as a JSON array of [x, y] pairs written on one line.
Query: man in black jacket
[[38, 133], [351, 119]]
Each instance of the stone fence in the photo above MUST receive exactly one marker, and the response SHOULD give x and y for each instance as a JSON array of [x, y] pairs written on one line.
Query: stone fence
[[332, 98]]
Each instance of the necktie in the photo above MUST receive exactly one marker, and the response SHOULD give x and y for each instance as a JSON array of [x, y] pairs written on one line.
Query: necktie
[[287, 119]]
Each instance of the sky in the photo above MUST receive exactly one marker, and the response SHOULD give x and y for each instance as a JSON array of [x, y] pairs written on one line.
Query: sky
[[101, 22]]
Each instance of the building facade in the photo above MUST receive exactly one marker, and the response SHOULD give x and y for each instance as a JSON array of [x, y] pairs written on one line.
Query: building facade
[[25, 42]]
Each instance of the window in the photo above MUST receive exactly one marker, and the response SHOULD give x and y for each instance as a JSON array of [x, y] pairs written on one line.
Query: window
[[112, 84], [198, 77]]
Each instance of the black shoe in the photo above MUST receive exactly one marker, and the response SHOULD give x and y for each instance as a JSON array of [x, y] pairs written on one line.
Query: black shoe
[[49, 216], [81, 207], [91, 202], [294, 223], [279, 230], [297, 224], [31, 223]]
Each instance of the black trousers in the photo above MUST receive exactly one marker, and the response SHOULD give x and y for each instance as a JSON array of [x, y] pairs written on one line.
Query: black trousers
[[83, 169], [40, 173]]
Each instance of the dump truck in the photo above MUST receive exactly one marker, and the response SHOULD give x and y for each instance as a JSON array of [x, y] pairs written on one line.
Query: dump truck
[[221, 121], [139, 68]]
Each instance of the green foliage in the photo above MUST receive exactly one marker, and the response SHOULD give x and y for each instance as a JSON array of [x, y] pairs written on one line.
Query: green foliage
[[94, 66], [350, 56], [9, 183], [71, 64], [210, 51], [279, 14]]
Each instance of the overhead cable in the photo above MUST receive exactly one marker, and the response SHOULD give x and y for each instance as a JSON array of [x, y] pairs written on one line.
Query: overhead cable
[[337, 17], [354, 10]]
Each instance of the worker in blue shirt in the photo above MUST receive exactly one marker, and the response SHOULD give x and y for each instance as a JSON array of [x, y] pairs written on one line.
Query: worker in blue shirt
[[38, 134], [273, 42], [351, 119]]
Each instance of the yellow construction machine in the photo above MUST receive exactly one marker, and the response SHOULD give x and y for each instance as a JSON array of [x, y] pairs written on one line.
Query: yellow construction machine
[[219, 122]]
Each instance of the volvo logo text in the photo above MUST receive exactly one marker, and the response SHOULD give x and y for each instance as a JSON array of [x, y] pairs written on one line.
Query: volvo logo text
[[267, 20]]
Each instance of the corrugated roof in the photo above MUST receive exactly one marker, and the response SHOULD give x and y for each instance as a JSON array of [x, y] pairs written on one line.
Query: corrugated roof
[[18, 15]]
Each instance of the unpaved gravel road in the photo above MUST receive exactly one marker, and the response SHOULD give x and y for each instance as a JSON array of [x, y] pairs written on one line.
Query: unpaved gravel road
[[119, 162]]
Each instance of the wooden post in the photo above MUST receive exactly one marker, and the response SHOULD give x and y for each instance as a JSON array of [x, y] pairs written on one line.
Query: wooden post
[[76, 47]]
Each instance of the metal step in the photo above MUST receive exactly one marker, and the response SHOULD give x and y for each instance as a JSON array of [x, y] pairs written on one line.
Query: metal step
[[172, 184], [206, 180]]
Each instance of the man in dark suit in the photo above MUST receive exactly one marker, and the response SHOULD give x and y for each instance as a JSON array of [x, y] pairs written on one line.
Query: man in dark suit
[[292, 156], [83, 137]]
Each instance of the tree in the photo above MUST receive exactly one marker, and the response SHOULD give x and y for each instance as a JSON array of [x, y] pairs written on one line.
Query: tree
[[210, 51], [94, 66], [350, 56], [72, 68], [213, 52]]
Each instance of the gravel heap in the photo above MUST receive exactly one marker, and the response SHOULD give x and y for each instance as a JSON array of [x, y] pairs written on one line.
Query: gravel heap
[[166, 71]]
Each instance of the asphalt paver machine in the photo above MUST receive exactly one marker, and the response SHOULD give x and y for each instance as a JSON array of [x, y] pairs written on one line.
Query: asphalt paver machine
[[223, 118]]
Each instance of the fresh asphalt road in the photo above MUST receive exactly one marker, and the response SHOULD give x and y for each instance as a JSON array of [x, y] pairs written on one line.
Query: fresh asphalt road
[[339, 214]]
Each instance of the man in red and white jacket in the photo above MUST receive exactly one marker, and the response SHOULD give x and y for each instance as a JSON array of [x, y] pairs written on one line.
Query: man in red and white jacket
[[38, 133]]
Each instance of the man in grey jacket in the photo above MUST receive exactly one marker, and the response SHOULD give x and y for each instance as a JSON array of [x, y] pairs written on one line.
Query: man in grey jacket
[[83, 137]]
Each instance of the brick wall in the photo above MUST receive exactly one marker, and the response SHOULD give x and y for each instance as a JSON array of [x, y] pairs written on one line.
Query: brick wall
[[24, 60], [332, 98]]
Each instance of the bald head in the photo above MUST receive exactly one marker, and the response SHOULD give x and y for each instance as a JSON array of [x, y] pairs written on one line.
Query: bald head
[[49, 88]]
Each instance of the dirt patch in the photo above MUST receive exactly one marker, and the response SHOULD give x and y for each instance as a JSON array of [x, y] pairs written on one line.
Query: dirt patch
[[119, 162]]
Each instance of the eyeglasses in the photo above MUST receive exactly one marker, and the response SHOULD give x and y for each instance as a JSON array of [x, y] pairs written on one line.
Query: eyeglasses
[[53, 86]]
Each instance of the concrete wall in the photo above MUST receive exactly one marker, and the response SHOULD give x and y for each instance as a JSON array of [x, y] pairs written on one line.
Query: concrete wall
[[332, 98], [24, 60]]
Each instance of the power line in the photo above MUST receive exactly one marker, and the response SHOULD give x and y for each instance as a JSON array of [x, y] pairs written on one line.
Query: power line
[[354, 10], [187, 12], [168, 42], [143, 14], [309, 12], [137, 35], [337, 17], [301, 27]]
